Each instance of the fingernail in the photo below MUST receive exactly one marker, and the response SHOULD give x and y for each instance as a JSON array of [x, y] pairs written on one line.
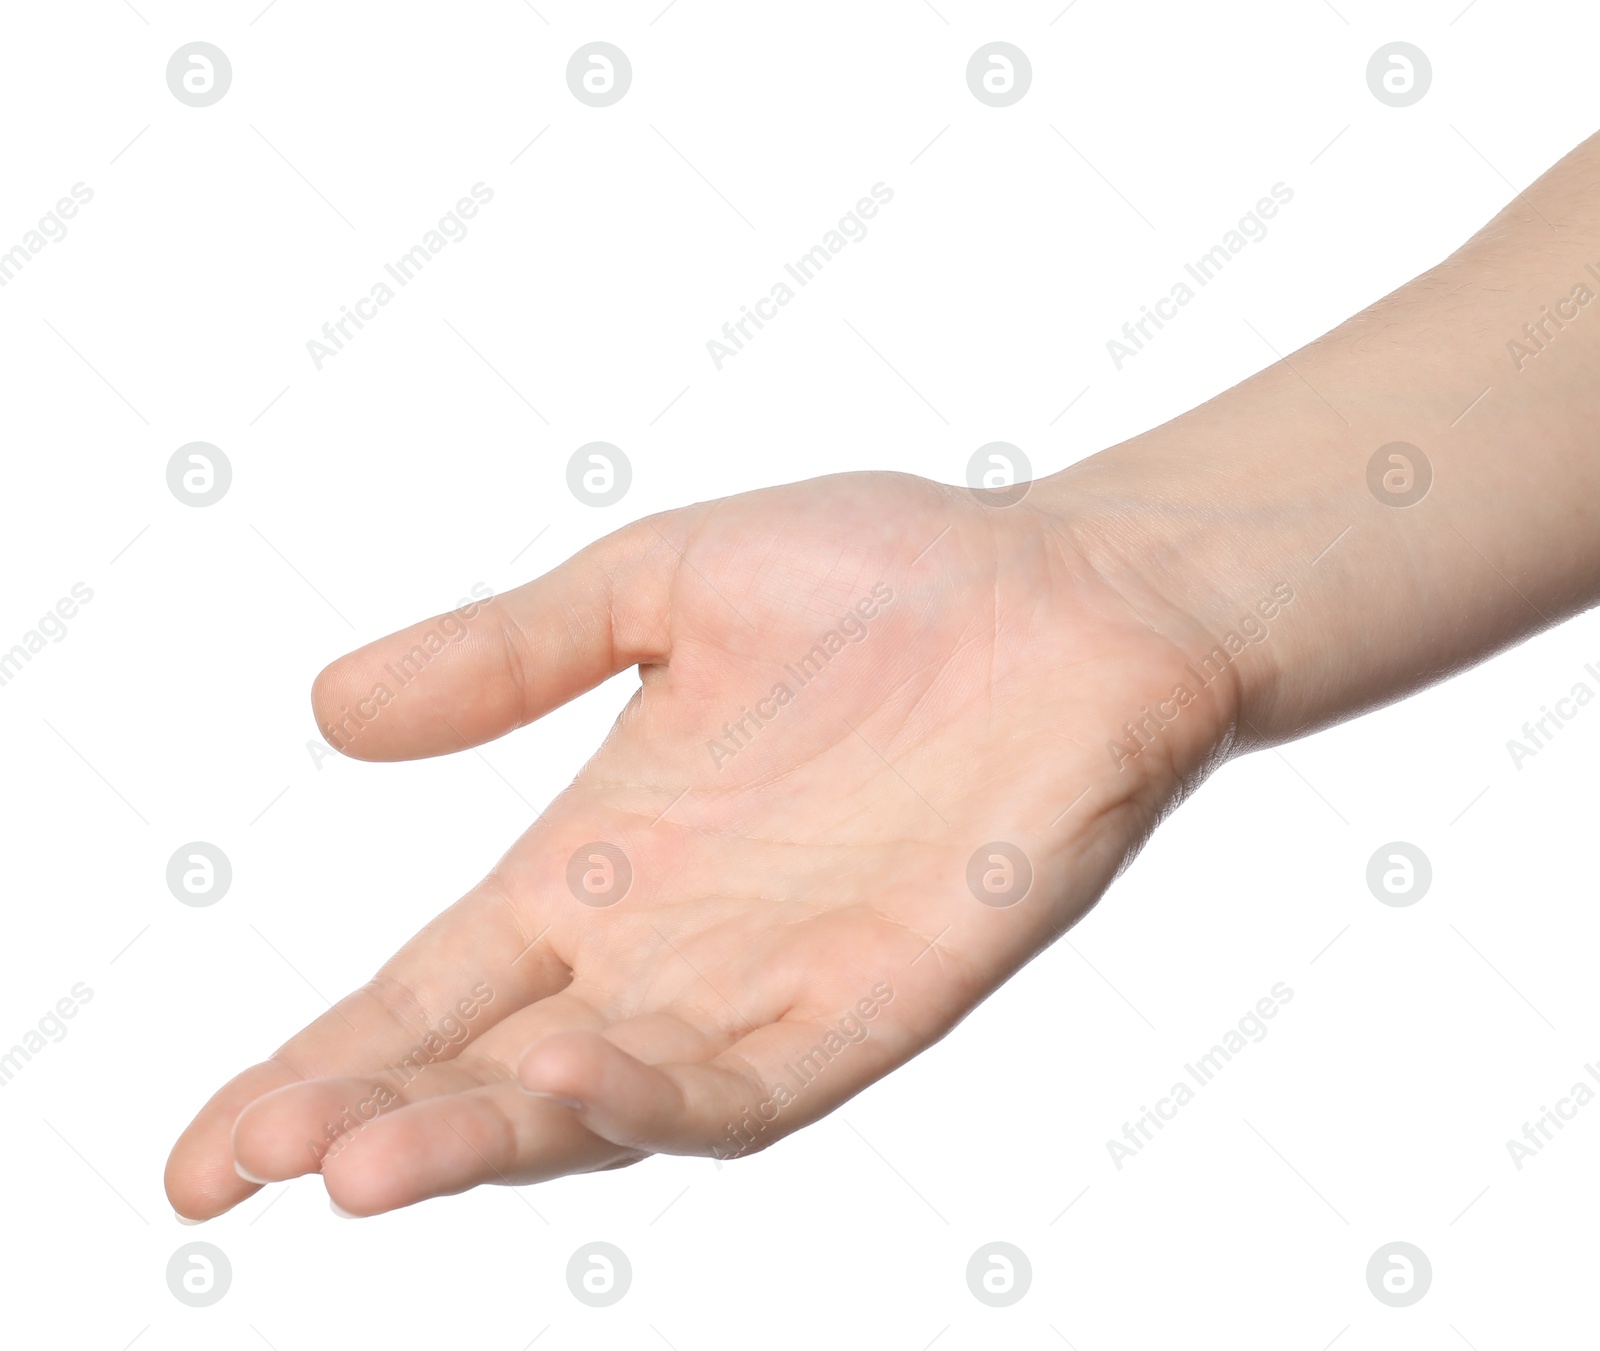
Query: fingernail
[[184, 1219], [340, 1211], [559, 1099], [249, 1177]]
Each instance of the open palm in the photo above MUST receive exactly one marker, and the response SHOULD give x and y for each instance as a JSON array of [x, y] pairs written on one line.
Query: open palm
[[865, 778]]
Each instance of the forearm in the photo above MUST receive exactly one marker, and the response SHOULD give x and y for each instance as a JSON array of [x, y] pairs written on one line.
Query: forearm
[[1269, 482]]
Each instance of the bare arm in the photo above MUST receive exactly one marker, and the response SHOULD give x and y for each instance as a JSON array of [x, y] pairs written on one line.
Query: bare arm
[[1487, 370]]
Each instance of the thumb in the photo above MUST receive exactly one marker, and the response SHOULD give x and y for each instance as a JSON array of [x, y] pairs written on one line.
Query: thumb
[[476, 673]]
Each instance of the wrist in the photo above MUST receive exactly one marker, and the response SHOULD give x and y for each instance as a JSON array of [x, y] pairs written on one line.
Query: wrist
[[1284, 480], [1172, 540]]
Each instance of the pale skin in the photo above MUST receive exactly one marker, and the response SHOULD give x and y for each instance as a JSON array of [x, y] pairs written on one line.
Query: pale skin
[[777, 887]]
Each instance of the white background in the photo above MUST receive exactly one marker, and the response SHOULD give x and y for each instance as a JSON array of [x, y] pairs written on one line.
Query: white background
[[381, 488]]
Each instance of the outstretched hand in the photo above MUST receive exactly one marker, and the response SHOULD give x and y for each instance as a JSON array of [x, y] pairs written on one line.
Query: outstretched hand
[[864, 779]]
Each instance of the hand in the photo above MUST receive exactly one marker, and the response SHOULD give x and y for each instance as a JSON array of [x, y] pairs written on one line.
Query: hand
[[847, 687]]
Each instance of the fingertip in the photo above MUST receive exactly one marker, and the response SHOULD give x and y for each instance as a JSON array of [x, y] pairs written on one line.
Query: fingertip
[[332, 693], [199, 1192], [360, 1187], [621, 1098], [498, 662], [448, 1144], [260, 1155], [294, 1130], [562, 1066], [199, 1177], [390, 1166]]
